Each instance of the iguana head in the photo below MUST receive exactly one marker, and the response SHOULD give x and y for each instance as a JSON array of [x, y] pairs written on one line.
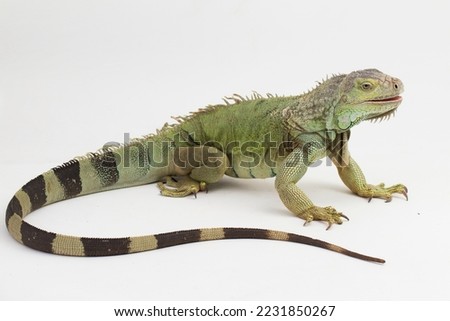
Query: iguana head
[[366, 95]]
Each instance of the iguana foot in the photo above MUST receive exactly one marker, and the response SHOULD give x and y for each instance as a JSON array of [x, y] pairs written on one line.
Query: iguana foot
[[180, 187], [379, 191], [326, 214]]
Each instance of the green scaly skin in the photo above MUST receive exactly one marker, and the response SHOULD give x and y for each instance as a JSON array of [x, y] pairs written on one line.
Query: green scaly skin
[[311, 122], [256, 137]]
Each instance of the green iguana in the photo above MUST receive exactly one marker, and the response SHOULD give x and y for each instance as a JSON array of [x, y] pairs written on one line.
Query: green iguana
[[252, 137]]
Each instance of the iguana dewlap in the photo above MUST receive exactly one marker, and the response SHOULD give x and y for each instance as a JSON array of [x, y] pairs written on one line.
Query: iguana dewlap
[[256, 137]]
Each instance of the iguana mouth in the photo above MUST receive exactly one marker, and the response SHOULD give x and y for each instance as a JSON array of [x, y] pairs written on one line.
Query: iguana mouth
[[395, 99]]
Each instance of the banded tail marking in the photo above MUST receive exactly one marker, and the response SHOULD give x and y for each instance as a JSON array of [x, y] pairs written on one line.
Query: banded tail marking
[[69, 178], [106, 168], [49, 242], [35, 194], [35, 189]]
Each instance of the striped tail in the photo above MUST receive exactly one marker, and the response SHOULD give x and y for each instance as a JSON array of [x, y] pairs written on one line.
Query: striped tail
[[88, 175]]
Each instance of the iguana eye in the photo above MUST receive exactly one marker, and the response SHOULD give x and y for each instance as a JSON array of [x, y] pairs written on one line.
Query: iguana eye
[[366, 86]]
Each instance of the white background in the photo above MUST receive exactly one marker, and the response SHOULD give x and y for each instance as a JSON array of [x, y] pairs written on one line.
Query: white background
[[77, 74]]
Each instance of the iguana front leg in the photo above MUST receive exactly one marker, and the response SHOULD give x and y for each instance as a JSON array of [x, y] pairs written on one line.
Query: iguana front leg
[[289, 172], [353, 177]]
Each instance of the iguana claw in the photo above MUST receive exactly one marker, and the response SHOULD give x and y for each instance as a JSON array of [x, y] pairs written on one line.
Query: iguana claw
[[405, 193]]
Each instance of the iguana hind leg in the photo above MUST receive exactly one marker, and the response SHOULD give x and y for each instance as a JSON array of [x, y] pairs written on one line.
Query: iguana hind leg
[[198, 166]]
